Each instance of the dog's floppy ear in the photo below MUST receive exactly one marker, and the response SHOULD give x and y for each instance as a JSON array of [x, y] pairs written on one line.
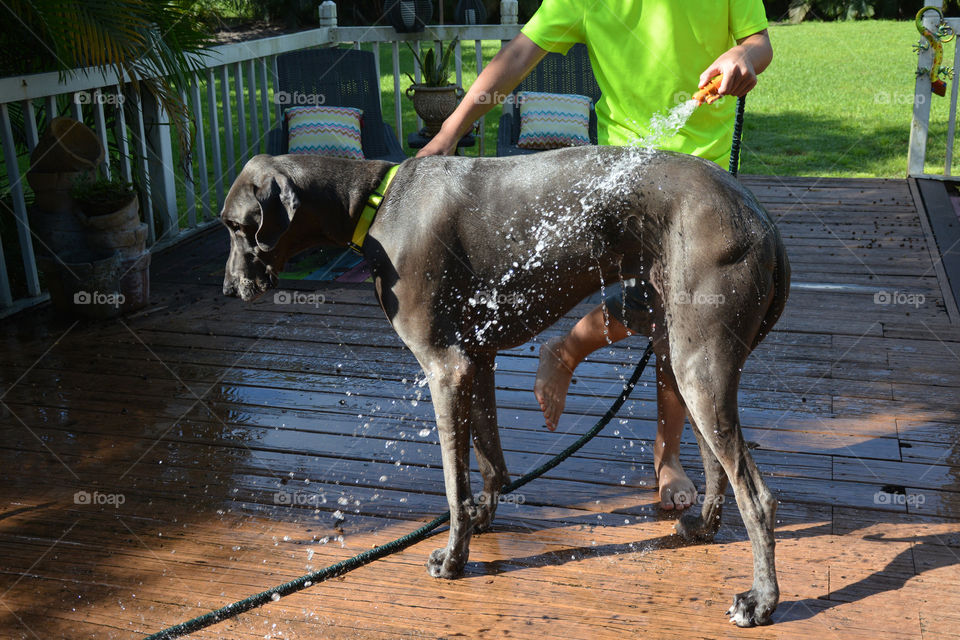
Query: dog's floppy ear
[[278, 203]]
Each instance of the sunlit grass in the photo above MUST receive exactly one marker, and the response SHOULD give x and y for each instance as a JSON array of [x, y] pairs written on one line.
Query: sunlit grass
[[837, 101]]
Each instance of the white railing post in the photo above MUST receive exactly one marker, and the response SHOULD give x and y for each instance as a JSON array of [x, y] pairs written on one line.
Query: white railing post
[[160, 165], [917, 150], [19, 206], [509, 11], [952, 122], [328, 14]]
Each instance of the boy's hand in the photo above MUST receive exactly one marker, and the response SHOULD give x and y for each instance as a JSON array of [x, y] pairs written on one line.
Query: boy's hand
[[738, 74], [740, 65], [439, 145]]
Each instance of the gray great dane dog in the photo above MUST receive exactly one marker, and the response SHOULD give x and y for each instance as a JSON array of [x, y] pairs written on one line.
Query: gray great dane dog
[[473, 255]]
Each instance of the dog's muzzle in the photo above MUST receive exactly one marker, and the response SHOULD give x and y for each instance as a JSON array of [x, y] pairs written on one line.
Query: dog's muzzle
[[250, 281]]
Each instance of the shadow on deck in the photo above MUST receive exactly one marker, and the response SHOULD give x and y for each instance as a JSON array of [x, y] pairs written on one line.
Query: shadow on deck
[[158, 467]]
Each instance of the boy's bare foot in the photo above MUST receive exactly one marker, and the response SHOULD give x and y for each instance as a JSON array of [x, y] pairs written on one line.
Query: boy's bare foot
[[553, 380], [676, 489]]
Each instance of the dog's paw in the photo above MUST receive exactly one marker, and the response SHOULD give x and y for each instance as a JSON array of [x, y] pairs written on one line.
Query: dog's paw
[[440, 565], [693, 528], [751, 609]]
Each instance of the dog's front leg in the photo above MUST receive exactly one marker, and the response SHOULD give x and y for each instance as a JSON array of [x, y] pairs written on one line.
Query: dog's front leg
[[450, 374]]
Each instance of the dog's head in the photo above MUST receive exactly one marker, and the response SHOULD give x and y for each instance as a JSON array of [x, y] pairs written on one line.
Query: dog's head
[[258, 211]]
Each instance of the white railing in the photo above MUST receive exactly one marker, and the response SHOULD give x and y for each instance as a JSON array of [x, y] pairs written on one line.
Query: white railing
[[231, 104], [917, 155]]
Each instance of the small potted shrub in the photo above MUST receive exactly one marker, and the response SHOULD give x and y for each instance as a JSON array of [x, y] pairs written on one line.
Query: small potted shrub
[[101, 196], [110, 214], [434, 97]]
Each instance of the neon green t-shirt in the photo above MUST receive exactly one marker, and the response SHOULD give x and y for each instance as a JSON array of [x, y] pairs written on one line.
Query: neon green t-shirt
[[647, 56]]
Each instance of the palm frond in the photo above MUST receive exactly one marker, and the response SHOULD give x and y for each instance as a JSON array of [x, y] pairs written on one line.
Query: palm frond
[[156, 45]]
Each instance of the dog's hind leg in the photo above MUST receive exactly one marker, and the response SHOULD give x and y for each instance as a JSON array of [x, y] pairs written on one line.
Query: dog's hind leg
[[703, 526], [707, 374], [486, 440], [450, 374]]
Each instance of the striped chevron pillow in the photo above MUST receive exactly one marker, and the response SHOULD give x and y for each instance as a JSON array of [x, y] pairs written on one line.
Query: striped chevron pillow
[[325, 131], [553, 120]]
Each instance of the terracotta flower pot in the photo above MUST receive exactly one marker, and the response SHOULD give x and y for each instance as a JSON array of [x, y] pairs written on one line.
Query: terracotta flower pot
[[434, 104], [67, 151], [67, 145], [53, 191], [88, 289]]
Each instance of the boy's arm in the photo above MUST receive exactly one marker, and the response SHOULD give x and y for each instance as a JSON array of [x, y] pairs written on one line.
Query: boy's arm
[[741, 65], [511, 65]]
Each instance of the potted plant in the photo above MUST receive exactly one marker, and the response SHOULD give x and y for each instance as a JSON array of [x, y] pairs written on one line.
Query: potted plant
[[434, 97], [109, 212]]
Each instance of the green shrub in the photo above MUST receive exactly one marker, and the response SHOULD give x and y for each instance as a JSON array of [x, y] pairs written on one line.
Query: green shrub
[[100, 196]]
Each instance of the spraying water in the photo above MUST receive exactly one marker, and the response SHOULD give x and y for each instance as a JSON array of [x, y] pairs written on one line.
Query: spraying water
[[664, 126]]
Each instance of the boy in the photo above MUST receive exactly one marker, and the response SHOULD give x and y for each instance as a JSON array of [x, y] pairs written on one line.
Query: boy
[[647, 55]]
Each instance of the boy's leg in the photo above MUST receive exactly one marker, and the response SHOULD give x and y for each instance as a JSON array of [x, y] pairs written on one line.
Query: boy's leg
[[560, 356], [677, 491]]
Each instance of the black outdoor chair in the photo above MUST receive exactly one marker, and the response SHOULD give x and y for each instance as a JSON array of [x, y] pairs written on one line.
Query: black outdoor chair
[[344, 78], [556, 73]]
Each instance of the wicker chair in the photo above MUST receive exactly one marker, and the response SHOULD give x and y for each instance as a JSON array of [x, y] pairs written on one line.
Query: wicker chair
[[556, 73], [345, 78]]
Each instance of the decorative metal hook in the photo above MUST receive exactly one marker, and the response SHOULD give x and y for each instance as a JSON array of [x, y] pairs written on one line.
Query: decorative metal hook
[[935, 40]]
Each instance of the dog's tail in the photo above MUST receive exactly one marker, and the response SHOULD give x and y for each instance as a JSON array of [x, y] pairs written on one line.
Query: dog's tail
[[781, 290]]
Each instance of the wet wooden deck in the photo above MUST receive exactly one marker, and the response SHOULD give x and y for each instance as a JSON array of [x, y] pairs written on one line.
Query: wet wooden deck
[[157, 467]]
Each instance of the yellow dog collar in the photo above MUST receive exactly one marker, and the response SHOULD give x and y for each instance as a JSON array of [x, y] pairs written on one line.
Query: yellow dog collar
[[370, 211]]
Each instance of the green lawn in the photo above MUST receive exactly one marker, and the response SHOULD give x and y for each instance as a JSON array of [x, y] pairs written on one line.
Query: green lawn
[[837, 101]]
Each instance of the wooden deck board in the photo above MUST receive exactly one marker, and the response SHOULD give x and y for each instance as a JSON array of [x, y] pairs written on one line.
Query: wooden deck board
[[234, 433]]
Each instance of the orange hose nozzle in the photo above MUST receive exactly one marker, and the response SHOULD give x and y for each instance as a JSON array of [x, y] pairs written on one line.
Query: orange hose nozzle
[[709, 93]]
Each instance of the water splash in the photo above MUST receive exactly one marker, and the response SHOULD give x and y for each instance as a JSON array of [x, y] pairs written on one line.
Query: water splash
[[603, 305], [664, 126]]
